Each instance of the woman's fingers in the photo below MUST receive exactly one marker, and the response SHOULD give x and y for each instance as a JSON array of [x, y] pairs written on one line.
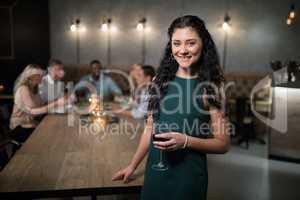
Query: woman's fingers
[[118, 176], [165, 144], [169, 135], [125, 179], [123, 175], [175, 141]]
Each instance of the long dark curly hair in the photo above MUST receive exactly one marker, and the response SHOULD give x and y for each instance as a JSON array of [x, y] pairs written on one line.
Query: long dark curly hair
[[207, 67]]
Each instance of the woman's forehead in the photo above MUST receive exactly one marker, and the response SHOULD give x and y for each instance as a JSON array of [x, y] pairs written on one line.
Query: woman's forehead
[[36, 76], [185, 33]]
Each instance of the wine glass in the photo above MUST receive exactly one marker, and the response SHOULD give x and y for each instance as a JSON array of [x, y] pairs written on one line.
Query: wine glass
[[161, 165]]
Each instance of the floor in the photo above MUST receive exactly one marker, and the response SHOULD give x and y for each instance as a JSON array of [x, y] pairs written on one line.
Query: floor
[[245, 174]]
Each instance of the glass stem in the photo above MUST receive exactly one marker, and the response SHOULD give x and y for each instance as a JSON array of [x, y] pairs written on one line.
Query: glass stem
[[160, 156]]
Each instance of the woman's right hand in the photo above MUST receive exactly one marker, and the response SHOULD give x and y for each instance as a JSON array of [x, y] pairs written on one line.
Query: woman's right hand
[[124, 174], [62, 101]]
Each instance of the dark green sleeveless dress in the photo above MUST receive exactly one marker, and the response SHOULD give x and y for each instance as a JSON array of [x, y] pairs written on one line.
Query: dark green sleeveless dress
[[186, 177]]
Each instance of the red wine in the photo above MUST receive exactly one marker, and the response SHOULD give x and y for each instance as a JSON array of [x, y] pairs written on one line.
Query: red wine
[[159, 139]]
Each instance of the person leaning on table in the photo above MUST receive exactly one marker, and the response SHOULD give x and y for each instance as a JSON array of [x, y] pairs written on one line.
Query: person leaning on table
[[28, 103]]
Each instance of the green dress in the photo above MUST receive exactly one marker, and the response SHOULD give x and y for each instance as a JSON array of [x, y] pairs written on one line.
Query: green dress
[[186, 177]]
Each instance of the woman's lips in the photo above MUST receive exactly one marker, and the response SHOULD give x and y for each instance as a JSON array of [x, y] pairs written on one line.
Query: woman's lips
[[185, 59]]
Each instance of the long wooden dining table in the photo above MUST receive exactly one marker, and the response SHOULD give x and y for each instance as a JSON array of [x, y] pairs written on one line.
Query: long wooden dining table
[[67, 156]]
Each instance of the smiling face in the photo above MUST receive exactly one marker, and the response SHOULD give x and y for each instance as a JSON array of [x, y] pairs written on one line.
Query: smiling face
[[135, 71], [141, 78], [96, 70], [57, 72], [186, 46]]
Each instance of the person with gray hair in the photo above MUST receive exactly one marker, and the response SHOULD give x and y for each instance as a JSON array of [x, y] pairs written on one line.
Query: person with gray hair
[[51, 87]]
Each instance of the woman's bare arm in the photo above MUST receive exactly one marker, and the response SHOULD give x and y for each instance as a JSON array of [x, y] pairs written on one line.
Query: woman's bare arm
[[139, 155], [144, 144], [220, 142], [29, 104]]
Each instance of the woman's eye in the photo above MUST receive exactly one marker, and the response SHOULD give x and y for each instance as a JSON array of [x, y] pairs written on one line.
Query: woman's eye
[[191, 44], [176, 44]]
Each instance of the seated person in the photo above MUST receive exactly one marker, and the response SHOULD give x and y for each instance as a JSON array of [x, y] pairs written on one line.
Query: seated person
[[106, 88], [139, 108], [51, 87], [28, 103], [134, 72]]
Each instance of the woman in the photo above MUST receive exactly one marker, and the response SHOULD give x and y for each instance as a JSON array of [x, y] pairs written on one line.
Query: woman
[[138, 109], [28, 103], [190, 72], [134, 72]]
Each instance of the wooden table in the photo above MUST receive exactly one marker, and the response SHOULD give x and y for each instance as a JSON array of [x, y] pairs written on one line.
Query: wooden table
[[61, 160]]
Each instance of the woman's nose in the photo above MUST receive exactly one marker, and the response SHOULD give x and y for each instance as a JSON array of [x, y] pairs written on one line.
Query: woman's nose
[[183, 49]]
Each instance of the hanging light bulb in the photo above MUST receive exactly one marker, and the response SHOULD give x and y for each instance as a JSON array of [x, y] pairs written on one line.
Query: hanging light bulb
[[141, 25], [292, 13], [289, 21], [226, 25], [73, 27], [104, 27]]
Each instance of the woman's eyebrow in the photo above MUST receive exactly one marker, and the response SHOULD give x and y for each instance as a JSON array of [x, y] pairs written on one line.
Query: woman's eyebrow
[[188, 40], [191, 40]]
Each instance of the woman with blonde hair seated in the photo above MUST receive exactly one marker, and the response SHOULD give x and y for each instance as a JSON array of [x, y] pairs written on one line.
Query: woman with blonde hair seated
[[28, 104]]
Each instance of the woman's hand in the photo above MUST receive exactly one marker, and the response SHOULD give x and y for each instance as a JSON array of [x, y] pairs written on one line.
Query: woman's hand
[[124, 174], [174, 141], [62, 101]]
